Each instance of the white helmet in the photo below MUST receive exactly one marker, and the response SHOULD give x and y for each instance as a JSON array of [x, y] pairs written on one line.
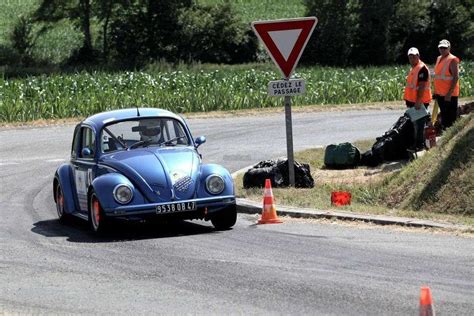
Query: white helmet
[[149, 130]]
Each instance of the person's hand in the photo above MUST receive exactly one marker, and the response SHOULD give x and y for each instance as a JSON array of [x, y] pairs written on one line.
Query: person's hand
[[417, 105]]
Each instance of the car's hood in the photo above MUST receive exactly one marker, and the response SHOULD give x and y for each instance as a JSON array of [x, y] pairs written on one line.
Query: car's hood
[[162, 174]]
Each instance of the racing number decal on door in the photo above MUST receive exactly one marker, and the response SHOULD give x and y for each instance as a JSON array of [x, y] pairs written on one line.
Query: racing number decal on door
[[81, 182]]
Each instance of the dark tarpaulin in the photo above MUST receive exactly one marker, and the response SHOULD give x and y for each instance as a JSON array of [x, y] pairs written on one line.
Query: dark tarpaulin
[[277, 172]]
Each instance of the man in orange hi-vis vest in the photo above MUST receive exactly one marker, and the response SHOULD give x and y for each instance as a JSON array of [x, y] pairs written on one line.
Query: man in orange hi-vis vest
[[446, 83], [418, 93]]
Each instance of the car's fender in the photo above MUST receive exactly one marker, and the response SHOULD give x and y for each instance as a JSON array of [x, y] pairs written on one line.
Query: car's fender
[[207, 170], [104, 186], [133, 176], [64, 177]]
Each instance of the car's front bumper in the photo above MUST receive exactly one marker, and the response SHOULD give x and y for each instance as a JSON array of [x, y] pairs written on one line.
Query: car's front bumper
[[204, 205]]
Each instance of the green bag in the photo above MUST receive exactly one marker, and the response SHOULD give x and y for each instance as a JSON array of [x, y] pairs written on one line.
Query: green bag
[[341, 156]]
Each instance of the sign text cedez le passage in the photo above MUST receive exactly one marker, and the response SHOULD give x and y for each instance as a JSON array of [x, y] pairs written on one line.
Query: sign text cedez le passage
[[286, 87]]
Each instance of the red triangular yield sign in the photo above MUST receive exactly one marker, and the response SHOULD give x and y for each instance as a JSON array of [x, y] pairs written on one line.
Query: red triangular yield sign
[[285, 40]]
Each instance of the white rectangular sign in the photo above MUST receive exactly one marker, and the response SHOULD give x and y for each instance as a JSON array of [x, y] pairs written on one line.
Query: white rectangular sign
[[283, 88]]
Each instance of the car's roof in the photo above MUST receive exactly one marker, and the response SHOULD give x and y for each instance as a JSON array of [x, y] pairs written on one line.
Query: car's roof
[[100, 119]]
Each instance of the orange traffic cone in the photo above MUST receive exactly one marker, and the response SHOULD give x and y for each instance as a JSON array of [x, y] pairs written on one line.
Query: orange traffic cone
[[269, 215], [426, 302]]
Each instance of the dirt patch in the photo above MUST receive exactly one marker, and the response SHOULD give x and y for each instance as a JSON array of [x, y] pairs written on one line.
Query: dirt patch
[[359, 175]]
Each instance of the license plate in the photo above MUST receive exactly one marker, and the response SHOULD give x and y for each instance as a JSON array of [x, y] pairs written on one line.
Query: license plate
[[176, 207]]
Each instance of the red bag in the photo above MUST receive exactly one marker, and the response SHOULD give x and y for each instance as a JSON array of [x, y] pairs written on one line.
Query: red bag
[[340, 198], [430, 137]]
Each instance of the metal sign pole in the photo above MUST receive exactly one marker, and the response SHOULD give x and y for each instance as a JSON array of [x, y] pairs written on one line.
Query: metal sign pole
[[285, 50], [289, 141]]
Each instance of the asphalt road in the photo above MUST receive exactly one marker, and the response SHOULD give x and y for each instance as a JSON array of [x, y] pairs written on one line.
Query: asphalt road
[[299, 267]]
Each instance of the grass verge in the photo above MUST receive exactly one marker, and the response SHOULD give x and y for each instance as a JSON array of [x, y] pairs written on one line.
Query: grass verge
[[442, 181], [437, 186]]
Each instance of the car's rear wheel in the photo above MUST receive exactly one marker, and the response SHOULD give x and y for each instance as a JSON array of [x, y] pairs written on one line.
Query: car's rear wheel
[[62, 215], [97, 220], [225, 219]]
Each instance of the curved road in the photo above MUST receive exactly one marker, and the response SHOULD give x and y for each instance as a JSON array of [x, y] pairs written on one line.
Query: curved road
[[299, 267]]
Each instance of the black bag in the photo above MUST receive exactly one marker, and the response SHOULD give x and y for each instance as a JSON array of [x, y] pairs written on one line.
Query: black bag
[[341, 156], [277, 172], [370, 159], [255, 176], [392, 145], [303, 178]]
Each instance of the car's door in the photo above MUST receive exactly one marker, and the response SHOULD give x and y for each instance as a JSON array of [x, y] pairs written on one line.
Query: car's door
[[84, 164]]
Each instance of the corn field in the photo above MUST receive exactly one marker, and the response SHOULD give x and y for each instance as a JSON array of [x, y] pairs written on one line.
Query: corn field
[[223, 88]]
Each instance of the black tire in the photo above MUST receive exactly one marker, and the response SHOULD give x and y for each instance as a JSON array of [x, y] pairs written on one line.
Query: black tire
[[98, 222], [59, 195], [225, 219]]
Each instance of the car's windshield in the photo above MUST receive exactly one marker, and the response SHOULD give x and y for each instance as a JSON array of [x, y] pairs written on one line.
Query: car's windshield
[[143, 132]]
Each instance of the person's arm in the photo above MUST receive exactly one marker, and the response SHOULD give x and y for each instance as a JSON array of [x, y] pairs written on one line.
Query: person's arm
[[422, 78], [454, 70]]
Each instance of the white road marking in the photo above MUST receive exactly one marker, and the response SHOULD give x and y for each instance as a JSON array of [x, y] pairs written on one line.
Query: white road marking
[[26, 159], [55, 160], [8, 163]]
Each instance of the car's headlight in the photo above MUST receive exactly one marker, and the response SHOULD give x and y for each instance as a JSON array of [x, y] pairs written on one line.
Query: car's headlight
[[123, 193], [215, 184]]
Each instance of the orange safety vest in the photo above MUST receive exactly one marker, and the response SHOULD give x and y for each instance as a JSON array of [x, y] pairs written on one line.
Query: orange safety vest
[[443, 77], [413, 85]]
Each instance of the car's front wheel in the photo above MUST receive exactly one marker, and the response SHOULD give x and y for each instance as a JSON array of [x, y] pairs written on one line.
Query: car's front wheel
[[62, 215], [97, 220], [225, 219]]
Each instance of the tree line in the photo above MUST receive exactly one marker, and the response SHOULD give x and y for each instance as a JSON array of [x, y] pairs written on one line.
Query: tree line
[[133, 33], [376, 32]]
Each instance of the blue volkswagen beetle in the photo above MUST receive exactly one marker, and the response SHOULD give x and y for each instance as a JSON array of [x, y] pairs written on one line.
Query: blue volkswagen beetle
[[141, 163]]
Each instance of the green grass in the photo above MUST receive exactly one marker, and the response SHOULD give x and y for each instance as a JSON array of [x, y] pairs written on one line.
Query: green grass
[[53, 46], [9, 12], [198, 88], [57, 44], [319, 196], [443, 180], [436, 186], [254, 10]]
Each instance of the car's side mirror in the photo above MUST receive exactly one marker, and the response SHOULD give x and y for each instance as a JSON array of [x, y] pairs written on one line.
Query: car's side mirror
[[86, 152], [199, 141]]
